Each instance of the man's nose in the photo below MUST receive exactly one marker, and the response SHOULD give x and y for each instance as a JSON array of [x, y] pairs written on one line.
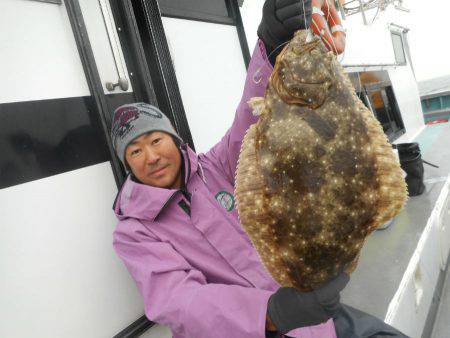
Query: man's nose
[[151, 156]]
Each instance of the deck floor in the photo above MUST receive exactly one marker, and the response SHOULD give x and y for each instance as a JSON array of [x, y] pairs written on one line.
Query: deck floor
[[386, 253]]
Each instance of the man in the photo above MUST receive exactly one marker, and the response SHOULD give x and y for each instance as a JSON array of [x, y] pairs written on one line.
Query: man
[[179, 233]]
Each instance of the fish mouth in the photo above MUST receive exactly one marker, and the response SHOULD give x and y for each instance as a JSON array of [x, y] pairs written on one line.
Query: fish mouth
[[310, 94]]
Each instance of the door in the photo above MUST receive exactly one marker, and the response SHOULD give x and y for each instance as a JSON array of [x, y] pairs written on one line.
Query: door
[[116, 62], [60, 275]]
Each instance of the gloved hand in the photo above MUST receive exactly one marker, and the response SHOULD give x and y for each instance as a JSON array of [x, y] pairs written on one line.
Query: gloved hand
[[281, 18], [289, 308]]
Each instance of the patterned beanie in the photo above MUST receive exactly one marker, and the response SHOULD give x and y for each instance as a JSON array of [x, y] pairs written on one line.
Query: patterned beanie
[[133, 120]]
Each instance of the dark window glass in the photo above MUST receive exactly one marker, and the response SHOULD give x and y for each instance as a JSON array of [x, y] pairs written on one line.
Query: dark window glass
[[375, 90], [432, 104], [445, 102], [204, 10], [393, 111], [385, 108], [380, 110], [424, 105]]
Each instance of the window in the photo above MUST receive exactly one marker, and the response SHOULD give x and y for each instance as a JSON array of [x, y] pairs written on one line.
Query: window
[[432, 104], [376, 92], [202, 10], [399, 49], [445, 102]]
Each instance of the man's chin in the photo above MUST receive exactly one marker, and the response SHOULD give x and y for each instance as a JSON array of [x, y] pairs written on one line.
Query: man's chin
[[164, 183]]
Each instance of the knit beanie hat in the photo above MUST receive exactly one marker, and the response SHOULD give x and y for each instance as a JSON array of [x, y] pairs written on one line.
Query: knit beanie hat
[[133, 120]]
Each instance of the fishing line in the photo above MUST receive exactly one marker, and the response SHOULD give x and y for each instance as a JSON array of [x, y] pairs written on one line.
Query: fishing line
[[342, 56], [304, 14], [284, 43]]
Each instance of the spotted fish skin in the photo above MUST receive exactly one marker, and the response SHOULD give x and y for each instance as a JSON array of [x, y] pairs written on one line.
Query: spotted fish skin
[[316, 174]]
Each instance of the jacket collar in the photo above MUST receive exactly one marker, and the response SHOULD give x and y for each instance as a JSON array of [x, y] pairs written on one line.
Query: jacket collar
[[145, 202]]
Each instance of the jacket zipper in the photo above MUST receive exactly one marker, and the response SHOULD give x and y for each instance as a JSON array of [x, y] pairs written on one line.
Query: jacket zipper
[[184, 191]]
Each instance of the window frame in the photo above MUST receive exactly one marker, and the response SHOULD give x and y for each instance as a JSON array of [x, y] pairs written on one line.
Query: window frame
[[384, 86], [400, 35]]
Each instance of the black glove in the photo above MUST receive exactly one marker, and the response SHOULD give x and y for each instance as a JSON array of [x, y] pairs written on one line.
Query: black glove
[[289, 308], [281, 18]]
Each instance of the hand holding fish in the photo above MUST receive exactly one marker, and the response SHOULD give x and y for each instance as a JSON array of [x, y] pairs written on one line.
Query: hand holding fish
[[281, 18], [289, 308]]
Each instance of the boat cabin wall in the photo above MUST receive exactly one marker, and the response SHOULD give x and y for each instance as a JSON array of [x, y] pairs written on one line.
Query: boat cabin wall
[[60, 276]]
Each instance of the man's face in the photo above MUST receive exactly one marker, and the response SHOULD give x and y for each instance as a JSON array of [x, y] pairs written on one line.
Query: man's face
[[155, 160]]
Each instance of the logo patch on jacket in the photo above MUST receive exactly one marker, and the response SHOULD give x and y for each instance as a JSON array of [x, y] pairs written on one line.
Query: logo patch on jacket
[[225, 199]]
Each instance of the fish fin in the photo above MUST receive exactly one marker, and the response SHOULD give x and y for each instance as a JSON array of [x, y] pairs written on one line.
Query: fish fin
[[258, 105]]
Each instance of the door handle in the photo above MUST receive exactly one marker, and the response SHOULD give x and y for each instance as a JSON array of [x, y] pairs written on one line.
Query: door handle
[[114, 44], [122, 83]]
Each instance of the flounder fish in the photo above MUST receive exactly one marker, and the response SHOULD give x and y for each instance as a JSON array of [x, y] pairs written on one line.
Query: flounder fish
[[316, 174]]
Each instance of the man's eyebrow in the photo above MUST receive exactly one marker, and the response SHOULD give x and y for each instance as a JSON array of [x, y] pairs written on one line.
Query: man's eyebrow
[[133, 143], [146, 135]]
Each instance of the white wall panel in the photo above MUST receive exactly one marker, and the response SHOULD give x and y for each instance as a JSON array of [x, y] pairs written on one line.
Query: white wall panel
[[410, 305], [408, 99], [210, 72], [158, 331], [405, 317], [59, 274], [429, 263], [251, 13], [367, 45], [39, 58], [444, 226]]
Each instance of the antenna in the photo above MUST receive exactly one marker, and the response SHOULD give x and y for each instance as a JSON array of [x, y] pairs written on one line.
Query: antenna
[[362, 6]]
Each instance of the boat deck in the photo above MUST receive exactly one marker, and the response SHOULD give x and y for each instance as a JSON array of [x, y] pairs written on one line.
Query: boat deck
[[387, 253]]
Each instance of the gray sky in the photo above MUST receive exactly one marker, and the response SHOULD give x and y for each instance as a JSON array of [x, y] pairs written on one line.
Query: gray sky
[[428, 38]]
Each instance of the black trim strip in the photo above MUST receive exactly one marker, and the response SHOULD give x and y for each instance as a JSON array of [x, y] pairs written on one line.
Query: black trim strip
[[93, 80], [235, 12], [160, 64], [214, 11], [136, 328], [174, 13], [43, 138]]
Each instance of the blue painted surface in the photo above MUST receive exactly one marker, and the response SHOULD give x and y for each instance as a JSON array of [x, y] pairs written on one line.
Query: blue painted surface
[[436, 103], [435, 108], [429, 137]]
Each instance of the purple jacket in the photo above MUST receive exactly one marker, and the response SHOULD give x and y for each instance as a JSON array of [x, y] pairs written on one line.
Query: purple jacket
[[195, 266]]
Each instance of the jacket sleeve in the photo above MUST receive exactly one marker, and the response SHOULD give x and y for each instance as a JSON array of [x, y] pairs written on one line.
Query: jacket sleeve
[[225, 154], [179, 296]]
